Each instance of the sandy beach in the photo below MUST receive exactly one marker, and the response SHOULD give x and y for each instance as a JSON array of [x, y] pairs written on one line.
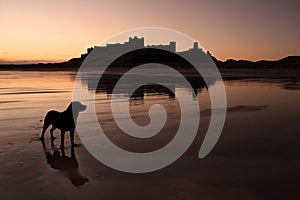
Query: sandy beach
[[257, 156]]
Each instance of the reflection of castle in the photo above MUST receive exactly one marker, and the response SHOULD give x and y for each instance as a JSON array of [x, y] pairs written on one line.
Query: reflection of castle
[[108, 81], [137, 43]]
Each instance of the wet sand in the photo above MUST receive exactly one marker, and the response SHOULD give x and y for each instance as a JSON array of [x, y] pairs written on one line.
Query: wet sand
[[257, 156]]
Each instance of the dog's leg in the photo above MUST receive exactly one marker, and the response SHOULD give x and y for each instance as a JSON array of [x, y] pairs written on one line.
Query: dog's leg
[[73, 153], [51, 132], [45, 126], [44, 146], [43, 133], [72, 138], [62, 140], [52, 143], [63, 152], [47, 122]]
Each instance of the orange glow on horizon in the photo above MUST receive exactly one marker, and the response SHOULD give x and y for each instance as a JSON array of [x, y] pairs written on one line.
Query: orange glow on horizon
[[57, 31]]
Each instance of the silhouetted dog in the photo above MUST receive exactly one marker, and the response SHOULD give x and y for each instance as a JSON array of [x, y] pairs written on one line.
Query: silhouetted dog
[[65, 121]]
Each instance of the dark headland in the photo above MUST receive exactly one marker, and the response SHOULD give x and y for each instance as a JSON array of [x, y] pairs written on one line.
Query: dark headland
[[289, 62]]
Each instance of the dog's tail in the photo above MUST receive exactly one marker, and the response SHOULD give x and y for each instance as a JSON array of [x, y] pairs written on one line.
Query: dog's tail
[[49, 119]]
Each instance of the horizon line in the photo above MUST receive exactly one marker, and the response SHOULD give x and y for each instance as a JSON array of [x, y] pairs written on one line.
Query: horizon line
[[47, 61]]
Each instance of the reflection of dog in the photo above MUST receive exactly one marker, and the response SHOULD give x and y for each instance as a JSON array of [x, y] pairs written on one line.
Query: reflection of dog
[[65, 121], [68, 165]]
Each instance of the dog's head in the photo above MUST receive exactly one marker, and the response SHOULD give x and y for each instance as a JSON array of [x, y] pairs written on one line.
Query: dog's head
[[76, 106]]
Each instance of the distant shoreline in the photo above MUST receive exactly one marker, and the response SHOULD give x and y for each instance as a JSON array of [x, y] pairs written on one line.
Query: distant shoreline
[[290, 62]]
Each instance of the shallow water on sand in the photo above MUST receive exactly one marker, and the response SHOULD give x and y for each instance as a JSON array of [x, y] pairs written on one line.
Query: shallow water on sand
[[257, 155]]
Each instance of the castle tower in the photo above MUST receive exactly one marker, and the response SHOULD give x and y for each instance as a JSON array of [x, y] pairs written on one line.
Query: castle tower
[[136, 42], [172, 46], [195, 45]]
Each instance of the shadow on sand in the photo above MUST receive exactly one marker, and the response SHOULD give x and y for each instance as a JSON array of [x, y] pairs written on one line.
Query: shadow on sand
[[67, 165]]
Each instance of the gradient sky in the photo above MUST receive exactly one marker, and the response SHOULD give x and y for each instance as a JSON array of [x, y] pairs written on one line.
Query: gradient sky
[[35, 30]]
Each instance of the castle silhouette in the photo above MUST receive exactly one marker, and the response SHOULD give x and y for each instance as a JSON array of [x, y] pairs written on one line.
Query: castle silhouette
[[137, 43]]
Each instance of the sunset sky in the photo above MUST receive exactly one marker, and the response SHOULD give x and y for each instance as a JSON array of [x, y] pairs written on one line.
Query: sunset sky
[[51, 31]]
